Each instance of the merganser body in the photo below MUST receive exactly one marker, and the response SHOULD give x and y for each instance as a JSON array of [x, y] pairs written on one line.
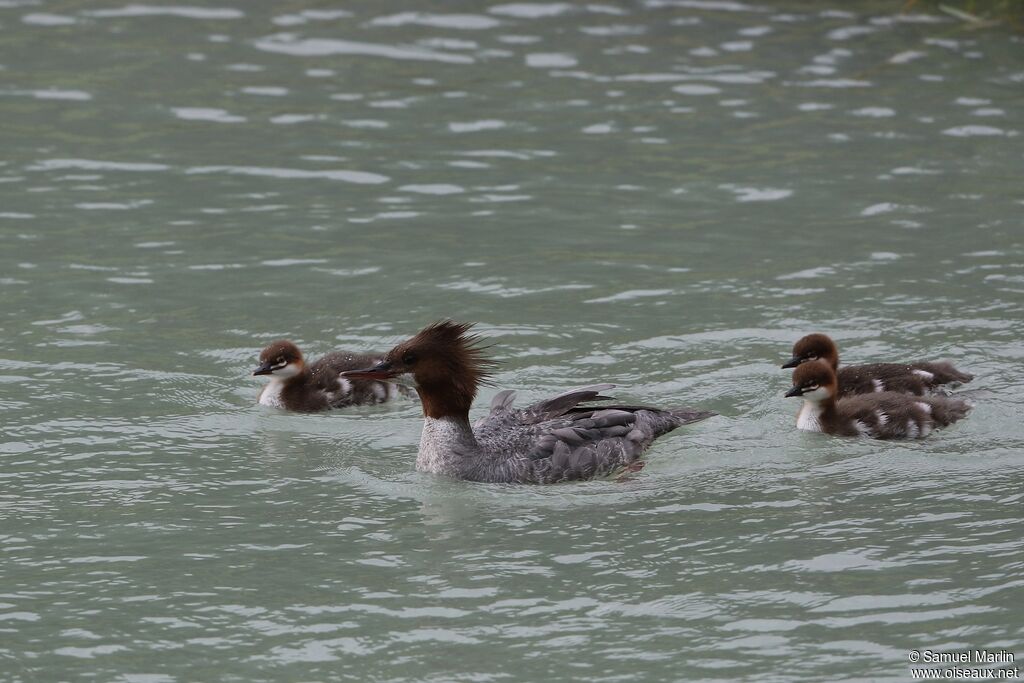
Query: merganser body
[[881, 415], [556, 440], [299, 387], [911, 378]]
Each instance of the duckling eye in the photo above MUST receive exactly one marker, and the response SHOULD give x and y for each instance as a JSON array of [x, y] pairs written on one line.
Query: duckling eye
[[811, 387], [280, 361], [409, 358], [813, 356]]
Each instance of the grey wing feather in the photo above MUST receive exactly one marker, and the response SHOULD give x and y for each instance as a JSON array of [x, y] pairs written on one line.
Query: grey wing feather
[[559, 439], [501, 407], [586, 450], [503, 400], [564, 402], [502, 417]]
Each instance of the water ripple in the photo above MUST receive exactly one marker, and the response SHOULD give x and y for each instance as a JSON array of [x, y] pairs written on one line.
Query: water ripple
[[290, 44]]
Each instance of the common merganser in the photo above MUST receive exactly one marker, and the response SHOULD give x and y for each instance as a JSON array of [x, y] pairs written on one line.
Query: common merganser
[[319, 385], [910, 378], [882, 415], [551, 441]]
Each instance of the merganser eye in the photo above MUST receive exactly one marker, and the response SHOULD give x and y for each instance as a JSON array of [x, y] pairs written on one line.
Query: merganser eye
[[409, 358]]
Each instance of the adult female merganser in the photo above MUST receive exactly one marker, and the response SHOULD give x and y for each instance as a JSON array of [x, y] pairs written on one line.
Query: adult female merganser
[[552, 441], [883, 415], [911, 378], [318, 386]]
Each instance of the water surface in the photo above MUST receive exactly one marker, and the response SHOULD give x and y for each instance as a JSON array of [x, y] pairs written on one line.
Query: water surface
[[661, 194]]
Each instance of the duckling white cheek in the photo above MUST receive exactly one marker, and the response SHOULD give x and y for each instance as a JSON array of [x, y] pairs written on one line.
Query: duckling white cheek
[[289, 370], [819, 394]]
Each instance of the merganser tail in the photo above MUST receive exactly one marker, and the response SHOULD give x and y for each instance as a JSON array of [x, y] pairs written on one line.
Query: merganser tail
[[691, 415]]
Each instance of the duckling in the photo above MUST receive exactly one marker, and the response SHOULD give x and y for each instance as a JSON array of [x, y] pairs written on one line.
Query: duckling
[[911, 378], [299, 387], [881, 415]]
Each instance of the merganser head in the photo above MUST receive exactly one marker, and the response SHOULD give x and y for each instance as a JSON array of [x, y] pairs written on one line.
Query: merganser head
[[814, 381], [813, 347], [444, 362], [281, 359]]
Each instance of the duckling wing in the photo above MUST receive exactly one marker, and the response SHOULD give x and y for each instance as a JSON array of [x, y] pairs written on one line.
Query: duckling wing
[[340, 361], [340, 392], [904, 378], [890, 415], [561, 440], [942, 372]]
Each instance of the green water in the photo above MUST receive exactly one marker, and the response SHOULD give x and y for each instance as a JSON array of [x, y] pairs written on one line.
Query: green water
[[660, 194]]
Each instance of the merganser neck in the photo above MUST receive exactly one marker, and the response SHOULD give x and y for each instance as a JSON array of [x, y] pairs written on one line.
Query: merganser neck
[[449, 400], [446, 444]]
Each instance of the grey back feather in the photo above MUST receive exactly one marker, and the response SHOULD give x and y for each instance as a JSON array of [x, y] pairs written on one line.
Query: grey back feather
[[559, 439]]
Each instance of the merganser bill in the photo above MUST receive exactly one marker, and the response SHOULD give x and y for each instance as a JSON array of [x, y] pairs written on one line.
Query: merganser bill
[[299, 387], [882, 415], [556, 440], [911, 378]]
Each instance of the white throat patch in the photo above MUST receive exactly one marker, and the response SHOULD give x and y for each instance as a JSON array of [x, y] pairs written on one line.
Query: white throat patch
[[809, 417], [271, 394]]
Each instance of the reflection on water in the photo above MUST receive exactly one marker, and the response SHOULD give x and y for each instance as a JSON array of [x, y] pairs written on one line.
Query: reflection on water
[[662, 194]]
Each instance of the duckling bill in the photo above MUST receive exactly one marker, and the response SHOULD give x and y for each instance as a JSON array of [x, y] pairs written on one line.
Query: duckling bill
[[563, 438]]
